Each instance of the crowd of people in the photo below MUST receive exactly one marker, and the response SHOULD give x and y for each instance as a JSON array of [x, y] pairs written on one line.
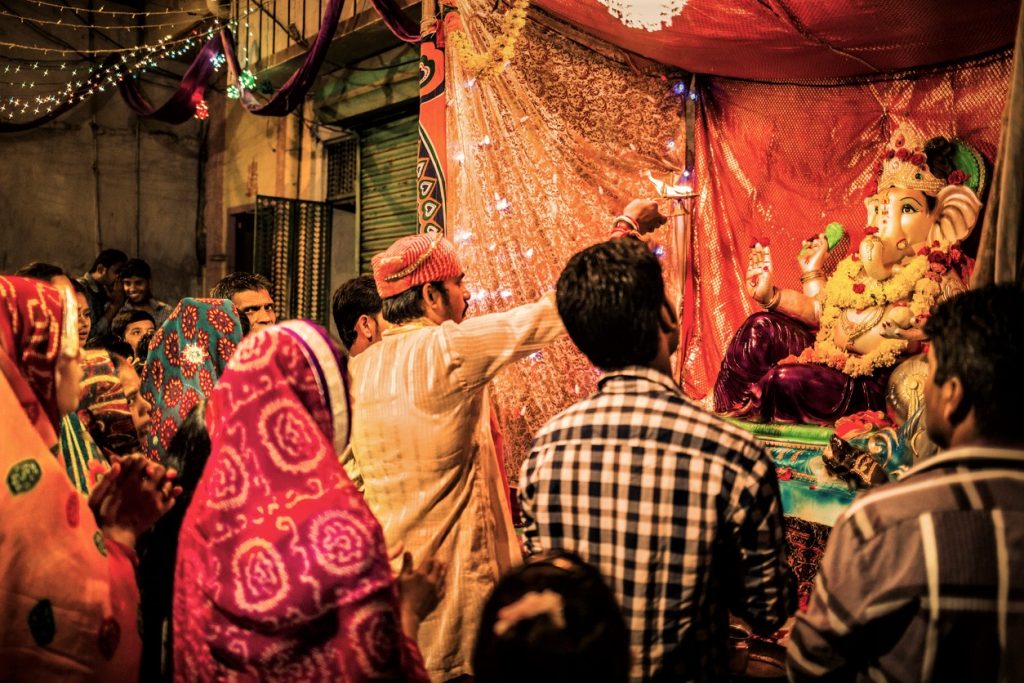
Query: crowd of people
[[203, 492]]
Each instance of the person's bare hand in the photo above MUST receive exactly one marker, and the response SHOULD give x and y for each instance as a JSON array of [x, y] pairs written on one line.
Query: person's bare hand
[[646, 213], [813, 253], [420, 589], [759, 274], [132, 497], [103, 489]]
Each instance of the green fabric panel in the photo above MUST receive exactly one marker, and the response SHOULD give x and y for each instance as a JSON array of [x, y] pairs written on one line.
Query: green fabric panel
[[793, 433]]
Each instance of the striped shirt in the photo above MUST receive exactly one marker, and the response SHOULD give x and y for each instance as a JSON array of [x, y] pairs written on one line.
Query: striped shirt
[[423, 448], [923, 579], [678, 510]]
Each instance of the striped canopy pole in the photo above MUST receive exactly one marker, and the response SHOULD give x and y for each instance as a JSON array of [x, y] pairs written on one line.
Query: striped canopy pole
[[431, 161]]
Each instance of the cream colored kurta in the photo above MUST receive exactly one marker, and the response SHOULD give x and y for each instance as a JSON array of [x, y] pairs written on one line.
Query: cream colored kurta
[[422, 444]]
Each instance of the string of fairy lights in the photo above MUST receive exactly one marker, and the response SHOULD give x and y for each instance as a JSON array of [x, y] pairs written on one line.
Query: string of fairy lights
[[69, 87], [41, 21], [102, 10], [38, 78]]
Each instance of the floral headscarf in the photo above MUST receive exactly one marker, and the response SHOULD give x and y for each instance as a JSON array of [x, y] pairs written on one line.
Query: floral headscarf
[[277, 541], [31, 325], [186, 356], [103, 408]]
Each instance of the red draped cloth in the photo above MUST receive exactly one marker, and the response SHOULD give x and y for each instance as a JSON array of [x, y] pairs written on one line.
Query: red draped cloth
[[782, 161], [282, 572]]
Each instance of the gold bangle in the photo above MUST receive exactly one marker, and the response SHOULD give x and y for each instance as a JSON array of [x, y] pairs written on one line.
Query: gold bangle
[[810, 276], [774, 300]]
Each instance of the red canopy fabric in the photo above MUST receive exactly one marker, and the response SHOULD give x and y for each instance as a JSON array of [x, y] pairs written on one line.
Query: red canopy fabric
[[803, 40]]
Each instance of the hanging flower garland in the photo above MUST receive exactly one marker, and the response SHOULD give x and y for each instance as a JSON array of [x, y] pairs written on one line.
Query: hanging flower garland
[[916, 285], [501, 50]]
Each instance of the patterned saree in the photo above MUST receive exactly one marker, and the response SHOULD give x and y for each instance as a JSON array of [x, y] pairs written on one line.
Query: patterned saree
[[282, 572]]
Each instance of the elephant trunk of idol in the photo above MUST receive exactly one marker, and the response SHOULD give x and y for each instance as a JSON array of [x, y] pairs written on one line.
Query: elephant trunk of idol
[[877, 263]]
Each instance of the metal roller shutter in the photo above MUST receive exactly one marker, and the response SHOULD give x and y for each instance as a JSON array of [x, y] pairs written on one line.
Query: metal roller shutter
[[387, 186]]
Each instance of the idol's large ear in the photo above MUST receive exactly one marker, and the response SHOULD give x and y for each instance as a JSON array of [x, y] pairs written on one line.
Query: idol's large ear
[[958, 212]]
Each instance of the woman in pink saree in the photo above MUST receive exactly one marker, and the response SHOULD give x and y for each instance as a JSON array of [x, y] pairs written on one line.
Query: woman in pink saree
[[282, 572]]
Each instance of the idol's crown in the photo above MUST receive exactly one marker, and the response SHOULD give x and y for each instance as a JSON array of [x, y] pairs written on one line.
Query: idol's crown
[[906, 165]]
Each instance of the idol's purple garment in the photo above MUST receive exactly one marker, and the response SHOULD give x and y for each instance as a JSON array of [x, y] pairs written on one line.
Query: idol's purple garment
[[751, 385]]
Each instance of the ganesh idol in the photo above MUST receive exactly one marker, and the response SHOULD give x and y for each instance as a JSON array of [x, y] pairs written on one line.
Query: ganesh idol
[[829, 349]]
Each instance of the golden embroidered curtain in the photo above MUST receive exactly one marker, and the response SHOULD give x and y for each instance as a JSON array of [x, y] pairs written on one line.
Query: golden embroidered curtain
[[540, 160]]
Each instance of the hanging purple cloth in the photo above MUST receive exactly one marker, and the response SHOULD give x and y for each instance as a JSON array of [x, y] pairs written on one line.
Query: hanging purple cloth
[[182, 104], [293, 92], [404, 28]]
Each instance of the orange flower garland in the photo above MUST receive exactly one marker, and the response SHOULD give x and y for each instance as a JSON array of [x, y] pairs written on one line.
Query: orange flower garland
[[498, 53], [851, 288]]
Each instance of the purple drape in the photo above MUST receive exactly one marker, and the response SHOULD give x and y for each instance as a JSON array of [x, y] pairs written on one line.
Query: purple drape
[[293, 92], [404, 28], [182, 104]]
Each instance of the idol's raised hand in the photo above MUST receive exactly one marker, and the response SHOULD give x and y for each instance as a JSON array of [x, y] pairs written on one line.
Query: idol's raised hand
[[813, 253], [759, 274]]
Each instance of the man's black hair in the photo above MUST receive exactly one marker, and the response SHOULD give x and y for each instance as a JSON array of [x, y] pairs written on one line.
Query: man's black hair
[[111, 344], [136, 267], [241, 281], [610, 297], [120, 324], [355, 298], [978, 336], [37, 270], [401, 308], [108, 258]]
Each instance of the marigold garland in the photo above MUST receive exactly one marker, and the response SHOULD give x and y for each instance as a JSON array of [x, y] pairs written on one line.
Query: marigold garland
[[851, 288], [500, 51]]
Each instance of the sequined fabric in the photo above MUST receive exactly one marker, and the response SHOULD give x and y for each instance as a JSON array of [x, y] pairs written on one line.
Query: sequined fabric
[[541, 159]]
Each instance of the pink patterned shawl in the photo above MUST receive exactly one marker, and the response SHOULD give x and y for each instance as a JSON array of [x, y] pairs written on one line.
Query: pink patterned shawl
[[282, 571]]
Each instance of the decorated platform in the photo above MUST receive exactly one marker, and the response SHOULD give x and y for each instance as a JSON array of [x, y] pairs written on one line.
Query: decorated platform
[[809, 490]]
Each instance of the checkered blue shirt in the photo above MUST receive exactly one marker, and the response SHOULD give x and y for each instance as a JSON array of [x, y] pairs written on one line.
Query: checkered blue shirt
[[679, 511]]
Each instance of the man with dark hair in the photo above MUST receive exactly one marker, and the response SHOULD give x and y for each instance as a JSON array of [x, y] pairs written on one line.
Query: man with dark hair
[[137, 278], [132, 326], [104, 292], [357, 313], [251, 295], [923, 579], [679, 510], [37, 270], [421, 435]]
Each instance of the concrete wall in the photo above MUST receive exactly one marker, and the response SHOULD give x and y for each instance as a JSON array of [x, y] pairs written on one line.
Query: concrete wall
[[250, 155], [100, 177]]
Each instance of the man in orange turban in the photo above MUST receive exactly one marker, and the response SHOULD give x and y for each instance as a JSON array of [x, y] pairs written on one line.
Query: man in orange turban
[[422, 432]]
